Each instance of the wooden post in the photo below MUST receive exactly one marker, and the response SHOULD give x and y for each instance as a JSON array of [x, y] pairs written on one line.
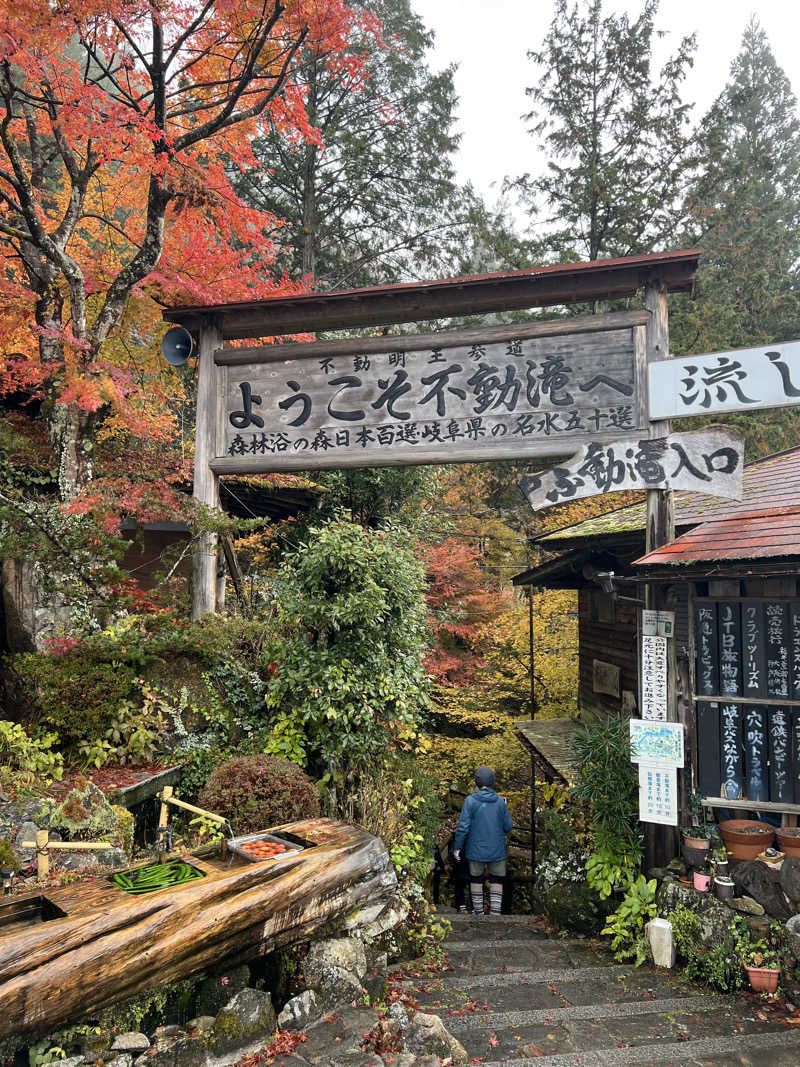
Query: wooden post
[[163, 814], [42, 855], [206, 482], [660, 841]]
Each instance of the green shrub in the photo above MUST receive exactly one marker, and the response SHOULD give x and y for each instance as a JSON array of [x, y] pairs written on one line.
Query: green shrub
[[608, 783], [75, 695], [255, 792], [26, 762], [686, 930], [718, 967], [8, 857], [626, 925]]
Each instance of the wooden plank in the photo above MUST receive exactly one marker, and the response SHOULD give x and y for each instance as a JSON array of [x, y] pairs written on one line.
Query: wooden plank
[[707, 461], [744, 805], [417, 342], [515, 398], [206, 481], [381, 306], [760, 702]]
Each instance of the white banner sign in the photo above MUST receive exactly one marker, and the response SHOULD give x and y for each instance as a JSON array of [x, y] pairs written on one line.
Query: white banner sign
[[654, 677], [708, 461], [658, 794], [744, 379], [658, 622]]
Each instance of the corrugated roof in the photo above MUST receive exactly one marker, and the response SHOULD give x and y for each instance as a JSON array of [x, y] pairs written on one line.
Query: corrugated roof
[[769, 484], [758, 535]]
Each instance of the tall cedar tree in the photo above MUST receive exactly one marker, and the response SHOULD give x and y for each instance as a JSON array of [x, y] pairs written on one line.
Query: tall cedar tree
[[744, 212], [614, 132], [116, 124], [744, 206], [376, 199]]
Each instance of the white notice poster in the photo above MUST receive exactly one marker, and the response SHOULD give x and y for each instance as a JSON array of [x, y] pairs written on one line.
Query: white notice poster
[[658, 794], [654, 677]]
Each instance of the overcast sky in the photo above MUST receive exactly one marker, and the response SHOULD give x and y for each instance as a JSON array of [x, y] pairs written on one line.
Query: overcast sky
[[489, 42]]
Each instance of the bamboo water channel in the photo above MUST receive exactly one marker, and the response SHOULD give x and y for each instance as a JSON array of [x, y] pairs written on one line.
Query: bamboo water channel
[[73, 950]]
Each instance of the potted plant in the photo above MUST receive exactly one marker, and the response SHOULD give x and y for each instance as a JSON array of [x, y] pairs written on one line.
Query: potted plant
[[746, 839], [789, 840], [720, 857], [723, 887], [697, 836], [702, 880], [763, 967]]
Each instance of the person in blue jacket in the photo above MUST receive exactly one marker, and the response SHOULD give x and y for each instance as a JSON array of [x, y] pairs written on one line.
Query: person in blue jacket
[[481, 833]]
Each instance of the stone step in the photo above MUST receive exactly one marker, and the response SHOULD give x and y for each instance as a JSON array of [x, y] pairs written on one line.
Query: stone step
[[501, 979], [509, 1019], [457, 918], [779, 1048], [520, 954]]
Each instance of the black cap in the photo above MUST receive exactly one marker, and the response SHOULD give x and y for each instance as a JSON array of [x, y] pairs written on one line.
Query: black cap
[[484, 776]]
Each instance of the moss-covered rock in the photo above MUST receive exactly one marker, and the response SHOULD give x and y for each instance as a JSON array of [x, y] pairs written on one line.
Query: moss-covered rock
[[86, 815]]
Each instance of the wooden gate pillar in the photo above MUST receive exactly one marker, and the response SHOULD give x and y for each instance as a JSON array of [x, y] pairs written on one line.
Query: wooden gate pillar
[[660, 841], [206, 482]]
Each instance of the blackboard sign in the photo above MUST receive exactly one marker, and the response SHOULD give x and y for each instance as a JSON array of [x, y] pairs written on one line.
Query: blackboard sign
[[705, 639], [756, 749], [776, 635], [754, 674], [730, 740], [794, 642], [780, 756], [709, 771], [796, 765], [730, 648]]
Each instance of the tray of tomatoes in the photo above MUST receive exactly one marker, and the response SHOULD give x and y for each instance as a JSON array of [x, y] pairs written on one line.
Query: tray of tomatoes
[[255, 848]]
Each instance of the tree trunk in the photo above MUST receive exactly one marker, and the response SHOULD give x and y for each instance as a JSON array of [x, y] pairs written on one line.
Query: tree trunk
[[310, 212], [72, 436]]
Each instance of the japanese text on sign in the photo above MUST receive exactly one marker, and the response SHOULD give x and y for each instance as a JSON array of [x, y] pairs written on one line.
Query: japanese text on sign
[[654, 677], [658, 794], [742, 380], [707, 461], [522, 396]]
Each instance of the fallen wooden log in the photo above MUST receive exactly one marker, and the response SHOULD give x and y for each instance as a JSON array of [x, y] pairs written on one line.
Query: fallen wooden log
[[110, 945]]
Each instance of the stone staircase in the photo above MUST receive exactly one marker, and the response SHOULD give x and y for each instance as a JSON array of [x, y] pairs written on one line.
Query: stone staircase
[[515, 996]]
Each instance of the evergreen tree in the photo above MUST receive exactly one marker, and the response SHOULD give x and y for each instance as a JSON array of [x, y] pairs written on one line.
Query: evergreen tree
[[614, 133], [743, 211], [744, 208], [377, 200]]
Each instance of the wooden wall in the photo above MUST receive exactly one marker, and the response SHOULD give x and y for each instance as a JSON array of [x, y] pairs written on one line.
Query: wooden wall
[[611, 642]]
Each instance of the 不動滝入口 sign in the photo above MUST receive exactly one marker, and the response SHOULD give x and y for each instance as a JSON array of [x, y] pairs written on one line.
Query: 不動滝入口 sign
[[534, 389], [708, 461], [746, 379]]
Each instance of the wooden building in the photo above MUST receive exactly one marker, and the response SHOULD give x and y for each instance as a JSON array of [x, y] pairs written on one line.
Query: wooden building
[[731, 577]]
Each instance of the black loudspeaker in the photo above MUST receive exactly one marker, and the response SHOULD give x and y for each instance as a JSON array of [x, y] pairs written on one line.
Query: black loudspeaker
[[177, 345]]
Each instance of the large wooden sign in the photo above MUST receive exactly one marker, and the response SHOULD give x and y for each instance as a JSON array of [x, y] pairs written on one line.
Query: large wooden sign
[[530, 390], [709, 461], [740, 380]]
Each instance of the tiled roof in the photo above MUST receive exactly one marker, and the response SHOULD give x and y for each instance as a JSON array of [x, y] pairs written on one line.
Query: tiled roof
[[769, 484], [775, 532]]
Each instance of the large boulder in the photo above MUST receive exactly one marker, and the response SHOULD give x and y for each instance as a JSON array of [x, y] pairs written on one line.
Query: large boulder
[[334, 969], [426, 1035], [793, 935], [790, 878], [215, 991], [764, 885], [247, 1016], [298, 1012], [715, 917], [131, 1042]]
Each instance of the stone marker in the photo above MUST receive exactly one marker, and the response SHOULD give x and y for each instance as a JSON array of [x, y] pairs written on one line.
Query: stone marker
[[659, 936]]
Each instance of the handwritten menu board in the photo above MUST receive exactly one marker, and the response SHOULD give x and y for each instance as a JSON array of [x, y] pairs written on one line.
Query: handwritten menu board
[[708, 748], [731, 752], [730, 649], [796, 775], [705, 639], [780, 756], [756, 751], [794, 641], [754, 671], [658, 794], [776, 640]]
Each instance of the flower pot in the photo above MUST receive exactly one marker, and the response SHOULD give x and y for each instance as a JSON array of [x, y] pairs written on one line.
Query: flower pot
[[789, 840], [722, 869], [763, 979], [723, 888], [695, 850], [701, 881], [746, 838]]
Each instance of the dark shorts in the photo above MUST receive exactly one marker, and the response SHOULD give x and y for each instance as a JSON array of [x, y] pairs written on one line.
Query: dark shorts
[[496, 867]]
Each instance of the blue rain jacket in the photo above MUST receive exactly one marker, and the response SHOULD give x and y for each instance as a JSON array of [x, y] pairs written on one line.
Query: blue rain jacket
[[485, 820]]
